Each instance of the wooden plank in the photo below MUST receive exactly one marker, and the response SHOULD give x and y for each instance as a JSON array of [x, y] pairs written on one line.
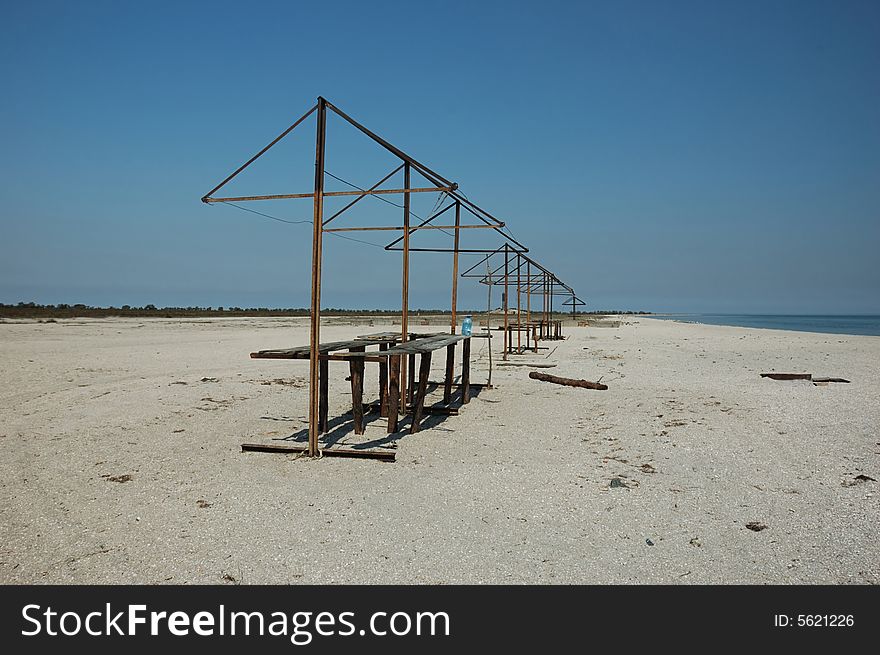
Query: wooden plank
[[427, 344], [788, 376], [368, 356], [387, 336], [328, 347], [419, 403], [384, 455]]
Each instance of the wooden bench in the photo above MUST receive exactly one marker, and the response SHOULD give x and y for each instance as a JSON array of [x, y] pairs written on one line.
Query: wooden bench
[[390, 350]]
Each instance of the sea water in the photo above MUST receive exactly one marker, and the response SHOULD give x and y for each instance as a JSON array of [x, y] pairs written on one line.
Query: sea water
[[863, 324]]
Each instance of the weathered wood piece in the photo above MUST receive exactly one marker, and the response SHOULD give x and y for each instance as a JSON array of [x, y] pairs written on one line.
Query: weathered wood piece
[[356, 369], [302, 352], [385, 455], [387, 336], [383, 383], [393, 392], [450, 373], [427, 344], [569, 382], [411, 379], [419, 401], [466, 371], [788, 376], [323, 395]]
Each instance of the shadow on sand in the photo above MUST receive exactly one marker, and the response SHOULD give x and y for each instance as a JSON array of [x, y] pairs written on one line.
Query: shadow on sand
[[342, 426]]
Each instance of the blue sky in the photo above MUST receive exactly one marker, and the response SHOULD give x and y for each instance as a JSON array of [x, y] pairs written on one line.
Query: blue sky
[[666, 156]]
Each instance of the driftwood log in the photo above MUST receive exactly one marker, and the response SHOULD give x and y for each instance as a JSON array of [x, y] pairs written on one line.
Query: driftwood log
[[569, 382], [788, 376]]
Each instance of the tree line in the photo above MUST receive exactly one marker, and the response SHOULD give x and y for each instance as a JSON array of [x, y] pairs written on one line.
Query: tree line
[[79, 310]]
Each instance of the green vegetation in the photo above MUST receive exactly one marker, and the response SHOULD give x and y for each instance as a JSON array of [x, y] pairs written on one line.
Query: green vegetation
[[34, 310]]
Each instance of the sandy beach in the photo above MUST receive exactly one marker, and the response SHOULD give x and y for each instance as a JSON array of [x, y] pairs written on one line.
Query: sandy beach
[[122, 463]]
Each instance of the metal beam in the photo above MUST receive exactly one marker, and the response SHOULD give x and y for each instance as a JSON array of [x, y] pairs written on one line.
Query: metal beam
[[328, 194], [317, 234], [205, 198]]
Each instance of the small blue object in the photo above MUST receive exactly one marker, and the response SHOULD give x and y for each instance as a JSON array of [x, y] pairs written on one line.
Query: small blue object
[[466, 326]]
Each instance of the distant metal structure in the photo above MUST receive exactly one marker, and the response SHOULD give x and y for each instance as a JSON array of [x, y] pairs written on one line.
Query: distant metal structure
[[530, 278], [574, 302], [437, 183]]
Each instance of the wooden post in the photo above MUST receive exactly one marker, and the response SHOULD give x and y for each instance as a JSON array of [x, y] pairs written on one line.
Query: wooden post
[[466, 371], [450, 373], [419, 402], [324, 396], [383, 382], [404, 316], [356, 370], [453, 327], [317, 235], [393, 392]]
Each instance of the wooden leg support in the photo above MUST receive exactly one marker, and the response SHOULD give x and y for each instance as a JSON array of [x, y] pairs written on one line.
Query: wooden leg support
[[383, 383], [466, 371], [419, 401], [393, 393], [323, 400], [356, 368], [411, 380], [450, 373]]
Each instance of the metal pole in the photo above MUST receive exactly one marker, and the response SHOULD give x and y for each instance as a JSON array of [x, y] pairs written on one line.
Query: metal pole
[[489, 321], [506, 276], [518, 312], [529, 329], [404, 321], [544, 319], [529, 292], [317, 235], [455, 266]]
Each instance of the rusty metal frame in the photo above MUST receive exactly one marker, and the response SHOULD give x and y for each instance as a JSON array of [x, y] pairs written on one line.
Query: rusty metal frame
[[408, 165]]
